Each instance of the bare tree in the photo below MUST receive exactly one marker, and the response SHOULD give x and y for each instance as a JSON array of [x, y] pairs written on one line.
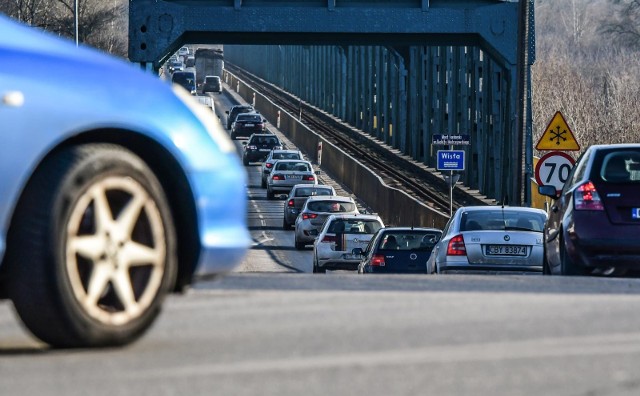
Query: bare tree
[[624, 24]]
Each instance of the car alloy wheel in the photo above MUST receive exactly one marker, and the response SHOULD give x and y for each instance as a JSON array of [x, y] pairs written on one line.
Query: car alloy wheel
[[95, 248]]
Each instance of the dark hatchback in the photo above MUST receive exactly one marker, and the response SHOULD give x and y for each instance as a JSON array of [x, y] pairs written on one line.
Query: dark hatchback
[[594, 224], [247, 124], [185, 79], [233, 112], [404, 250], [258, 146]]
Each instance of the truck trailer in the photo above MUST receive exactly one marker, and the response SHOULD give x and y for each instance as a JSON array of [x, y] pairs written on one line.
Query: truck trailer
[[209, 62]]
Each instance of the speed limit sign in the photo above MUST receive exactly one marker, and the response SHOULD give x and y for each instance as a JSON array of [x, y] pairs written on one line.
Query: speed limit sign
[[553, 169]]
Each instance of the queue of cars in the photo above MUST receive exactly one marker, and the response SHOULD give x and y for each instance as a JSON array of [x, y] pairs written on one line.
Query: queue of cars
[[590, 229]]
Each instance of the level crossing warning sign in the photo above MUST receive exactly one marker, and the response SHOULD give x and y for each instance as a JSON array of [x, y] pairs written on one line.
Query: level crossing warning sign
[[558, 136]]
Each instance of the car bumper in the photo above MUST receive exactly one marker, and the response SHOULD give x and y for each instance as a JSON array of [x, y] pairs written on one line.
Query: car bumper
[[483, 269], [606, 252], [221, 209], [339, 264], [253, 156]]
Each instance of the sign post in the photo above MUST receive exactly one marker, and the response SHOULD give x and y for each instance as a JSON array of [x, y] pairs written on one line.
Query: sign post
[[451, 160]]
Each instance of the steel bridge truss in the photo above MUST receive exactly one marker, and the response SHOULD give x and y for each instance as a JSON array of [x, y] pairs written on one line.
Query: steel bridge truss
[[401, 70]]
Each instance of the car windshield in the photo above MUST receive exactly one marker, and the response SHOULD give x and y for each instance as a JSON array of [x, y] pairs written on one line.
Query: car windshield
[[310, 191], [184, 79], [331, 206], [502, 220], [409, 240], [293, 166], [354, 226], [621, 167]]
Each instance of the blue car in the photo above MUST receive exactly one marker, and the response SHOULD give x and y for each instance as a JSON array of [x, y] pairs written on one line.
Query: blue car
[[115, 189]]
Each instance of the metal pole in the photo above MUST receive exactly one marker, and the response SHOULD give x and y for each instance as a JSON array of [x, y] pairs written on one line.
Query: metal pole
[[75, 19], [450, 193]]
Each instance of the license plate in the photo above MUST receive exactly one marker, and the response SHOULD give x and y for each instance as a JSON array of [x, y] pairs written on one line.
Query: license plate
[[294, 177], [249, 125], [264, 150], [635, 213], [506, 250]]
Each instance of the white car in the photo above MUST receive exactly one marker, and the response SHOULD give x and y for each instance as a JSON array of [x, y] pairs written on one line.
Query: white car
[[288, 173], [341, 234], [315, 211]]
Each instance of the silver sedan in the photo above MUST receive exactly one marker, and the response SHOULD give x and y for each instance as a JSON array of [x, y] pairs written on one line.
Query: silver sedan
[[288, 173], [491, 238]]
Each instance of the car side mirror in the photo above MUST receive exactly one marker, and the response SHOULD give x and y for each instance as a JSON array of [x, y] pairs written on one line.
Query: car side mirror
[[226, 111], [548, 191], [264, 120], [244, 142], [357, 251], [318, 172]]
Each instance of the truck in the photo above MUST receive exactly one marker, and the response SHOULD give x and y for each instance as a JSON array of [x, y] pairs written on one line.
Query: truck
[[209, 62]]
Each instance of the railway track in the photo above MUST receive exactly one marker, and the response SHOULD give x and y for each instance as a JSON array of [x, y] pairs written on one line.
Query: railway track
[[393, 169]]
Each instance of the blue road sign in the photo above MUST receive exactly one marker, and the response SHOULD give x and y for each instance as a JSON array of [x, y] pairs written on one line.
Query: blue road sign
[[450, 160]]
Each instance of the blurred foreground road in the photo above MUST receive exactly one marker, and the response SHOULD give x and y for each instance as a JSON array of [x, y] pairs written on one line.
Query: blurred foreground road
[[295, 334]]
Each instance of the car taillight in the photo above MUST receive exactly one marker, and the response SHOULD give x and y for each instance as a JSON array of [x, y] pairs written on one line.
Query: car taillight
[[261, 125], [309, 178], [378, 260], [585, 197], [291, 203], [329, 239], [268, 165], [277, 177], [456, 246], [307, 216]]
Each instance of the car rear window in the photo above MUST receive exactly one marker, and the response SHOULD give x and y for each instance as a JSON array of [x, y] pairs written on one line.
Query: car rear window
[[354, 226], [184, 78], [293, 166], [621, 167], [286, 156], [410, 240], [331, 206], [502, 220], [265, 140], [249, 118], [307, 192]]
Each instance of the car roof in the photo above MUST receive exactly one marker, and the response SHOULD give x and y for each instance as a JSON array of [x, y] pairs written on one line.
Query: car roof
[[263, 135], [293, 160], [283, 151], [337, 198], [354, 216], [406, 229], [505, 208]]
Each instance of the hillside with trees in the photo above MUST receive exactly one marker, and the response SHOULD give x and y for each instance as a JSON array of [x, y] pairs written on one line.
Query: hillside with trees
[[587, 57], [588, 67]]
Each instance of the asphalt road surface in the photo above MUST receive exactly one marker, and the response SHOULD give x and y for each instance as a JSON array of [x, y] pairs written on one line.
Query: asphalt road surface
[[273, 328]]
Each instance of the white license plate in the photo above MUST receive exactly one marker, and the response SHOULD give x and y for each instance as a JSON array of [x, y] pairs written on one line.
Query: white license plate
[[635, 213], [506, 250], [249, 125], [294, 177]]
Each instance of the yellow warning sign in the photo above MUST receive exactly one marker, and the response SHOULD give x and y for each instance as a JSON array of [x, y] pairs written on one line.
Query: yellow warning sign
[[558, 136]]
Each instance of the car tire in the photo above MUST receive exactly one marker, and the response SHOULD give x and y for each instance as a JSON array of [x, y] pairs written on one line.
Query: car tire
[[299, 246], [317, 269], [79, 276], [269, 194], [263, 184], [285, 225], [245, 161], [567, 266]]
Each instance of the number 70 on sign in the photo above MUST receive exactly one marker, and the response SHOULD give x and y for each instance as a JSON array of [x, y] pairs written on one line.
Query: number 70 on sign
[[553, 169]]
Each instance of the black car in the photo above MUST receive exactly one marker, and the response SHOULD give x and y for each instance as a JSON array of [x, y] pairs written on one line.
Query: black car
[[399, 250], [594, 222], [258, 147], [212, 84], [186, 79], [233, 112], [247, 124]]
